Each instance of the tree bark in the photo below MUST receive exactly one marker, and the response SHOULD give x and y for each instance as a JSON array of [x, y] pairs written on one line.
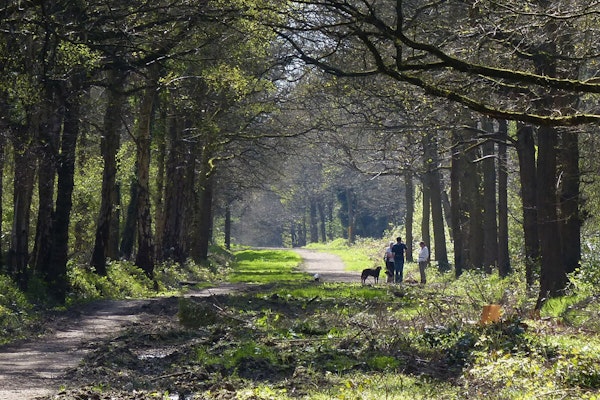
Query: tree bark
[[351, 217], [553, 278], [109, 146], [569, 195], [173, 246], [64, 195], [18, 253], [205, 219], [432, 176], [2, 163], [159, 207], [490, 225], [473, 200], [504, 268], [51, 110], [528, 177], [409, 194], [322, 220], [457, 223], [145, 253], [439, 234], [128, 234], [314, 225], [426, 218]]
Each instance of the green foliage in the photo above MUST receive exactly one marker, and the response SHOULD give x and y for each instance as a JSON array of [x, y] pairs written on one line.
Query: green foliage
[[72, 56], [383, 363], [123, 280], [86, 204], [15, 311]]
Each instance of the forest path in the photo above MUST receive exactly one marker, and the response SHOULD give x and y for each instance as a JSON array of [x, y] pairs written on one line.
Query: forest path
[[34, 368]]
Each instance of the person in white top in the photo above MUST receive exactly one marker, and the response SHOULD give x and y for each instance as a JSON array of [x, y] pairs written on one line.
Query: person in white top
[[389, 263], [423, 261]]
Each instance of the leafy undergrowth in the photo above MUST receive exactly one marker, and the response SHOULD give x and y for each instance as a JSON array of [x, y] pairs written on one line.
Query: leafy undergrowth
[[337, 341], [299, 339]]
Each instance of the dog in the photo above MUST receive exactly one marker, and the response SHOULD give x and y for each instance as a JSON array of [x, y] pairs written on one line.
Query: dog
[[374, 272]]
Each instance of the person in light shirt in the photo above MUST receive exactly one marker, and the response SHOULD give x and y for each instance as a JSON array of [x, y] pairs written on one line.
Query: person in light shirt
[[423, 260], [389, 263]]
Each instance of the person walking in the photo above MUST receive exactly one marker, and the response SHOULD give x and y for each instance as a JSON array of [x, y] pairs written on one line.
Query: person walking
[[423, 260], [389, 263], [399, 249]]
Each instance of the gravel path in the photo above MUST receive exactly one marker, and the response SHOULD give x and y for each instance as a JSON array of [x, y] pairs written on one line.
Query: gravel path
[[33, 369]]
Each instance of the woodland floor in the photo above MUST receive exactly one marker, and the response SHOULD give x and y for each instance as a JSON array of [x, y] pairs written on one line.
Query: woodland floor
[[36, 369]]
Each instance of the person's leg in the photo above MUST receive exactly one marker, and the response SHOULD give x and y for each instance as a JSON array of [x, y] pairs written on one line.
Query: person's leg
[[422, 265], [399, 266]]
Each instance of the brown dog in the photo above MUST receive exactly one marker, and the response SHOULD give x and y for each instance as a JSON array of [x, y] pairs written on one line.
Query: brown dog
[[374, 272]]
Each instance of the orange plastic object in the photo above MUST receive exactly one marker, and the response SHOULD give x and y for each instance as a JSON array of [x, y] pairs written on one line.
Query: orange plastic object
[[491, 313]]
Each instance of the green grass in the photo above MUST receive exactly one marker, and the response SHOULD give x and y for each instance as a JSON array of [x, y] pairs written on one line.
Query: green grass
[[364, 254], [267, 266]]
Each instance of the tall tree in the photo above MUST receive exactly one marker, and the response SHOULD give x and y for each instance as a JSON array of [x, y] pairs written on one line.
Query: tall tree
[[145, 255], [432, 182], [504, 266], [525, 145], [109, 147], [490, 221]]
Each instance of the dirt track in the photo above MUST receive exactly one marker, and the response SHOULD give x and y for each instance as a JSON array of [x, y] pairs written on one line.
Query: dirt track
[[34, 368]]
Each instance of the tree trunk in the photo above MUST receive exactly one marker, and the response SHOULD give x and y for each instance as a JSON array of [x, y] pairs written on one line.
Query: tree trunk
[[447, 213], [322, 219], [456, 173], [433, 182], [18, 253], [473, 200], [426, 218], [569, 194], [112, 249], [128, 235], [2, 162], [228, 225], [410, 213], [490, 225], [173, 246], [528, 177], [109, 145], [314, 225], [64, 196], [159, 207], [145, 252], [205, 219], [351, 217], [504, 267], [553, 278], [48, 139]]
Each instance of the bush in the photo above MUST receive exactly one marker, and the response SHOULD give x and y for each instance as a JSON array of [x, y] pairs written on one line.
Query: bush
[[15, 311]]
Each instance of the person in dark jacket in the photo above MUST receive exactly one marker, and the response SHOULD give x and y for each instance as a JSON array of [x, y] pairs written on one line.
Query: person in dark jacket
[[399, 249]]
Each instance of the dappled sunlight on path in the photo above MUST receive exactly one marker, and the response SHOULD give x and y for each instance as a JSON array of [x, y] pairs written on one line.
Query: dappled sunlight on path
[[330, 267]]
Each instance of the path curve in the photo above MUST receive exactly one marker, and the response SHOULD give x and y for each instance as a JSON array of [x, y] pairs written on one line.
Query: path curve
[[34, 368]]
